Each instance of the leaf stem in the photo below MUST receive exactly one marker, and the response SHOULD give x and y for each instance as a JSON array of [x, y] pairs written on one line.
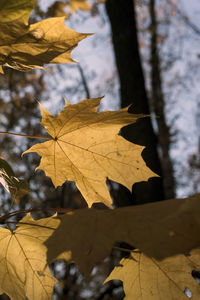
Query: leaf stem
[[25, 211], [25, 135], [127, 250]]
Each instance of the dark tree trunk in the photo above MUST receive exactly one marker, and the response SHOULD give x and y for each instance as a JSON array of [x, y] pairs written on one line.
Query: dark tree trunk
[[159, 109], [124, 32]]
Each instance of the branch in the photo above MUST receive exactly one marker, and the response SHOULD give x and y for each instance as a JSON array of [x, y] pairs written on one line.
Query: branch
[[25, 211], [184, 18], [84, 82]]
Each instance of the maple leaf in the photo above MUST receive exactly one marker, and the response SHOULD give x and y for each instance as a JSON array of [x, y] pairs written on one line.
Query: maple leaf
[[85, 147], [16, 187], [18, 11], [145, 278], [159, 229], [23, 260], [24, 47]]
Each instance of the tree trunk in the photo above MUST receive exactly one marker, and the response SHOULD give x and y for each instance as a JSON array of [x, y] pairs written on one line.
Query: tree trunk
[[124, 32], [159, 109]]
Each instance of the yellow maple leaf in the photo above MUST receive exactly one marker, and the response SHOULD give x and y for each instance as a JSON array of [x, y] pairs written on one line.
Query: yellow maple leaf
[[13, 10], [23, 260], [85, 147], [145, 278], [25, 47], [159, 229]]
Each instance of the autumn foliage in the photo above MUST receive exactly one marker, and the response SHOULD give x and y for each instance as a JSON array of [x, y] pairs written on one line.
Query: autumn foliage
[[84, 146]]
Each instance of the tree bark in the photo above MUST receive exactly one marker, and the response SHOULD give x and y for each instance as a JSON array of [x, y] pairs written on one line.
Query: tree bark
[[159, 109], [132, 89]]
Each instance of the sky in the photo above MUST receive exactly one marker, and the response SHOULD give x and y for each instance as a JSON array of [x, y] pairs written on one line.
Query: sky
[[180, 63], [183, 103], [95, 56]]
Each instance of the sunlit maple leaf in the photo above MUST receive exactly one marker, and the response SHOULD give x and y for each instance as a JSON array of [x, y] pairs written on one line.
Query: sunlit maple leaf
[[145, 278], [23, 260], [16, 187], [159, 229], [85, 147], [25, 47]]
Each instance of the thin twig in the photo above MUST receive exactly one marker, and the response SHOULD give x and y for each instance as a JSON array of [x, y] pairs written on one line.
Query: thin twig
[[25, 211], [184, 18], [84, 81], [25, 135]]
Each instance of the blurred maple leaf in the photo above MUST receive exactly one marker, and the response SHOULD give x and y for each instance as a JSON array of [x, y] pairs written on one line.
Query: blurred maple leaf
[[159, 229], [78, 4], [16, 187], [24, 47]]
